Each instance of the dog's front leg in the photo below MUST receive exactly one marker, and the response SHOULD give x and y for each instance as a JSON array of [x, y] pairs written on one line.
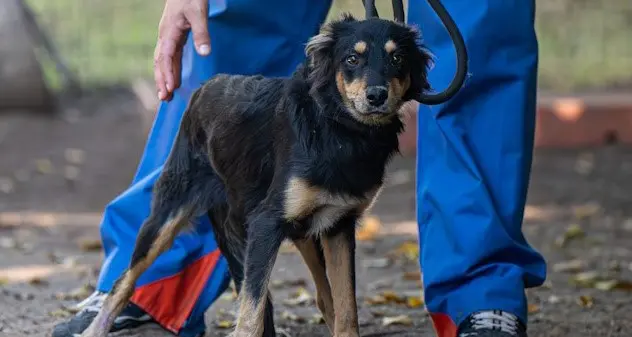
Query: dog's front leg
[[311, 252], [265, 235], [339, 251]]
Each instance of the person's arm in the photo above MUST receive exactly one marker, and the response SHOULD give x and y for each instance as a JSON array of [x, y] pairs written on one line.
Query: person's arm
[[178, 17]]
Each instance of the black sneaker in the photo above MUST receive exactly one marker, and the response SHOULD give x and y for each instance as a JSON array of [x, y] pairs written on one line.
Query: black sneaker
[[131, 317], [494, 323]]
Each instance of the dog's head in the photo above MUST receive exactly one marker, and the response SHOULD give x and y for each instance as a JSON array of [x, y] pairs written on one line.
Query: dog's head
[[375, 65]]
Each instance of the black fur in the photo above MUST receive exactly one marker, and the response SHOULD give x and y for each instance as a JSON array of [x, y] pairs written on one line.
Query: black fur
[[243, 137]]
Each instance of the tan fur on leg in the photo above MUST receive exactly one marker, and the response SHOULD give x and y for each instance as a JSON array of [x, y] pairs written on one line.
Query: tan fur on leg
[[339, 260], [124, 287], [309, 250]]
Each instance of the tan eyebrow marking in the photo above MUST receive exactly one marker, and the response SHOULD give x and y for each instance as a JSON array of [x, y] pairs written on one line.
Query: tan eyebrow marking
[[360, 47], [390, 46]]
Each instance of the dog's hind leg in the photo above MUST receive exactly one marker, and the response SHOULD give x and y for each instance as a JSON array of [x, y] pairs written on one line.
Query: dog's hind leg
[[187, 187], [312, 254], [230, 234], [339, 251], [155, 236], [265, 236]]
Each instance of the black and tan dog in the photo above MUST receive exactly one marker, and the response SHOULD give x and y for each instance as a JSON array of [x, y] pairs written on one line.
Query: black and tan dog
[[297, 158]]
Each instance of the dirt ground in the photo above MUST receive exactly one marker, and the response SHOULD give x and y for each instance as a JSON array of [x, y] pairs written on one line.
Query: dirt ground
[[57, 173]]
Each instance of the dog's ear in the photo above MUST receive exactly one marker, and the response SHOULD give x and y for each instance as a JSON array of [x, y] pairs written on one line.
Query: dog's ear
[[419, 60], [319, 52]]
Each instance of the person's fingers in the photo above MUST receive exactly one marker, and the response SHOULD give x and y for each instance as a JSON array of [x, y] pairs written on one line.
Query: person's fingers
[[196, 14], [159, 78], [167, 53]]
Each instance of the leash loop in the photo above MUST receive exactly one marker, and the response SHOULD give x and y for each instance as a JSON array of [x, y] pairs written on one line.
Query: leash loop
[[457, 40]]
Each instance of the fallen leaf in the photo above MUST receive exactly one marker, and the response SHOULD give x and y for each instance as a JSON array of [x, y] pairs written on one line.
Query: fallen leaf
[[412, 276], [369, 228], [571, 266], [397, 320], [316, 319], [290, 316], [585, 279], [300, 297], [608, 285], [573, 232], [288, 283], [533, 308], [409, 250], [76, 294], [37, 281], [585, 211], [44, 166], [392, 297], [377, 263], [90, 245], [378, 313], [586, 301], [414, 302], [224, 324]]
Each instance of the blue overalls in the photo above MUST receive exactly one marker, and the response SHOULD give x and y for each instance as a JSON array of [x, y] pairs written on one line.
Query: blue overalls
[[474, 157]]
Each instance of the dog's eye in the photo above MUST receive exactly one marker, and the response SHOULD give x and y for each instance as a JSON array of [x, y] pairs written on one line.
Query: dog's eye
[[396, 60], [352, 60]]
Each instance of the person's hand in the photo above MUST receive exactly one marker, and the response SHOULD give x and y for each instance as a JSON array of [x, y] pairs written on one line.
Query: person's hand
[[178, 17]]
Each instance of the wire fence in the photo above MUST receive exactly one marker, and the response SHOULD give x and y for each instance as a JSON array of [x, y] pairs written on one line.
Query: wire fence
[[584, 44]]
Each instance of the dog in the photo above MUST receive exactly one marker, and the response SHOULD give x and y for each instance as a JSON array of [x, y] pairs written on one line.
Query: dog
[[299, 158]]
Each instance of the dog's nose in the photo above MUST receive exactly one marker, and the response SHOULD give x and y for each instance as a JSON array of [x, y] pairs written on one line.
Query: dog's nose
[[376, 95]]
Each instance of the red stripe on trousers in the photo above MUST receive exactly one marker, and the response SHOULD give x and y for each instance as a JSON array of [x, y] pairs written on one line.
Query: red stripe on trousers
[[169, 301]]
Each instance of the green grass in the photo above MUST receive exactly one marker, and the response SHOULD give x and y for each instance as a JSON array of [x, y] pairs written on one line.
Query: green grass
[[584, 44]]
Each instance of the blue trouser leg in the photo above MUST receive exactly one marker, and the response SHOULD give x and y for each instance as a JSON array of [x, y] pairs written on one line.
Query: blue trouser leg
[[473, 166], [248, 37]]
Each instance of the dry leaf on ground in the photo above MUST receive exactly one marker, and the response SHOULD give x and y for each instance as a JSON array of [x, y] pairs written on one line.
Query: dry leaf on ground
[[369, 228], [586, 301], [397, 320], [573, 232], [90, 245], [587, 210], [300, 297], [571, 266], [408, 250], [276, 284], [533, 308], [317, 319]]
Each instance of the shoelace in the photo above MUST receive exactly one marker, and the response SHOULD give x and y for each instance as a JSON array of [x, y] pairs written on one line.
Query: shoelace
[[92, 303], [495, 320]]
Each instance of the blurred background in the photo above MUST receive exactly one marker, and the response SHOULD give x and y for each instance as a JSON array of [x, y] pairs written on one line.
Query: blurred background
[[77, 100], [585, 44]]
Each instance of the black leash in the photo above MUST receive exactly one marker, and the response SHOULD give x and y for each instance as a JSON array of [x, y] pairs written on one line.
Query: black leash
[[455, 35]]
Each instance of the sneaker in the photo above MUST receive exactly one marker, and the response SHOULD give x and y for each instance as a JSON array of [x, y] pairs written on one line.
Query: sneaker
[[131, 317], [494, 323]]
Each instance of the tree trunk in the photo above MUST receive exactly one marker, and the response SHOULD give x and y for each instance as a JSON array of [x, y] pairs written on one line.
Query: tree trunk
[[22, 83]]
